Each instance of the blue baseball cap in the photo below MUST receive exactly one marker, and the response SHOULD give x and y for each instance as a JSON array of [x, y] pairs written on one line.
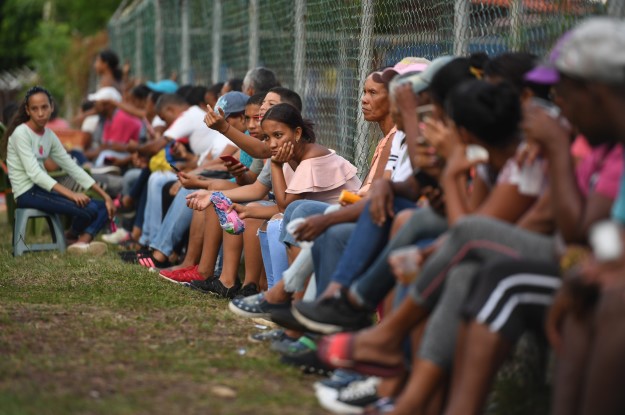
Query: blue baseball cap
[[232, 102], [165, 86]]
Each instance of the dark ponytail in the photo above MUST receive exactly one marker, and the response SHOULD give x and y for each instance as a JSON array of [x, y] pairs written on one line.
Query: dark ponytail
[[491, 112], [20, 117], [454, 73], [289, 115], [112, 61]]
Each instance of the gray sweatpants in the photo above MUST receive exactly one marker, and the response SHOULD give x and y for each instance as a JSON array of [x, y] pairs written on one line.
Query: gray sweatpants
[[448, 275]]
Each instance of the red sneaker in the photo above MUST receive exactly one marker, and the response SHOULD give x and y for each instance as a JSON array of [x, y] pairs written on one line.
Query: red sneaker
[[184, 276], [166, 273]]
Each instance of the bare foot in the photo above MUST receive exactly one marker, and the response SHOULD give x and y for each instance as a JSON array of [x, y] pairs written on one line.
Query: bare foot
[[378, 344]]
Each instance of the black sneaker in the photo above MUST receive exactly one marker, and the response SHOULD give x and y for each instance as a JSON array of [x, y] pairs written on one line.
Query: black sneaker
[[307, 362], [247, 290], [283, 317], [202, 285], [216, 287], [331, 315]]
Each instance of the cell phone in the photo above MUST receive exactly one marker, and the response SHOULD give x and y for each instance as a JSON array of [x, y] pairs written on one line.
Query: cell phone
[[108, 161], [231, 160], [425, 180], [174, 168]]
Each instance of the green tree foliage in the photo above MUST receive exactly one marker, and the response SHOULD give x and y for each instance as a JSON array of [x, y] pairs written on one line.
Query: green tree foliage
[[50, 36]]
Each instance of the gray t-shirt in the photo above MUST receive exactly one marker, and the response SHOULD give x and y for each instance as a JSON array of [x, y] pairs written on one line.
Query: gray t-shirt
[[265, 175], [257, 166]]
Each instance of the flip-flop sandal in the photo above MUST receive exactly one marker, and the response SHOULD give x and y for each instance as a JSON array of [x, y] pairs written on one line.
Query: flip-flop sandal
[[337, 351]]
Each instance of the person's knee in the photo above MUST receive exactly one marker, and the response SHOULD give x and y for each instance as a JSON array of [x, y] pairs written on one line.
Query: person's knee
[[401, 219]]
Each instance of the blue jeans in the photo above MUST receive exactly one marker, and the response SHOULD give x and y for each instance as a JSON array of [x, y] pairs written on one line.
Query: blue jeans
[[273, 252], [364, 242], [153, 213], [175, 224], [327, 252], [377, 281], [90, 219], [300, 209], [130, 178]]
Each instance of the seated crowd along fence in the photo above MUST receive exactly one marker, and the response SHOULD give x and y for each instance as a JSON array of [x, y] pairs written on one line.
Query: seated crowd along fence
[[323, 49]]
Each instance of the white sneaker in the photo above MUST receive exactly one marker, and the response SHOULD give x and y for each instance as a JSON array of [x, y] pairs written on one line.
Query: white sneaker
[[116, 237], [93, 248], [107, 170]]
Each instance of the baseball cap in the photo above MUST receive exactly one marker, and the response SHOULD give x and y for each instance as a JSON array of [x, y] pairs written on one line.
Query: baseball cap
[[409, 64], [421, 82], [232, 102], [594, 50], [165, 86], [105, 93]]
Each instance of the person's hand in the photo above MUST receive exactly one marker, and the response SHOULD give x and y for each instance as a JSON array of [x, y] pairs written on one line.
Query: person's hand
[[199, 200], [427, 160], [436, 199], [216, 121], [407, 101], [110, 207], [235, 169], [80, 199], [405, 263], [188, 181], [440, 136], [284, 154], [458, 163], [381, 205], [555, 317], [175, 188], [542, 129], [527, 153], [242, 210], [312, 227]]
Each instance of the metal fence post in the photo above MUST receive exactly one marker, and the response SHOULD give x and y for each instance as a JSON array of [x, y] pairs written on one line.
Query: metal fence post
[[185, 43], [216, 30], [300, 47], [616, 8], [254, 37], [516, 24], [158, 40], [462, 10], [139, 49], [365, 56]]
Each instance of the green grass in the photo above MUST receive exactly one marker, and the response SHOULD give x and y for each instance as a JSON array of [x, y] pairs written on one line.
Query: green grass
[[82, 335]]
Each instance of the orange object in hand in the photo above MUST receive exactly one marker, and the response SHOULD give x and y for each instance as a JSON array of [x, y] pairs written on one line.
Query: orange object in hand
[[348, 198]]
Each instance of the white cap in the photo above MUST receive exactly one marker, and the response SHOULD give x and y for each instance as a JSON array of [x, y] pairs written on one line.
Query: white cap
[[105, 93]]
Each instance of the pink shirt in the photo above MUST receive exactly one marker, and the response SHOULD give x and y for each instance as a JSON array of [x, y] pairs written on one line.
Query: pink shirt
[[121, 128], [600, 171]]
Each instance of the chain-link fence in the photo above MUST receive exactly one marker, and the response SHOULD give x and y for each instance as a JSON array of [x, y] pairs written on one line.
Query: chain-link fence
[[324, 49]]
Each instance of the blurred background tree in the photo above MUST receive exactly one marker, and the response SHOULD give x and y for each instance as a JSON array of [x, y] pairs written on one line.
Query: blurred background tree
[[56, 38]]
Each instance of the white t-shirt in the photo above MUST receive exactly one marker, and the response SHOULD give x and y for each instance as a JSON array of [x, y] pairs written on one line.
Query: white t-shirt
[[202, 139], [90, 123], [399, 160]]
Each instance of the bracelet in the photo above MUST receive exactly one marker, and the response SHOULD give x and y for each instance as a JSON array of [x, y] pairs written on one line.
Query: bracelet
[[227, 128]]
